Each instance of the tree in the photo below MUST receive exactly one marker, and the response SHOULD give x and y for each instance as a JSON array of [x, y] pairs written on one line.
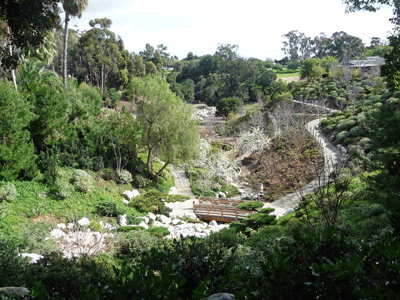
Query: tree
[[72, 8], [99, 55], [166, 121], [321, 45], [226, 106], [345, 46], [16, 147], [306, 69], [373, 6], [297, 45], [25, 23]]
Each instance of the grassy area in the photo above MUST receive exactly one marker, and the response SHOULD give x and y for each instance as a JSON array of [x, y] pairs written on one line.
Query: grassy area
[[287, 73]]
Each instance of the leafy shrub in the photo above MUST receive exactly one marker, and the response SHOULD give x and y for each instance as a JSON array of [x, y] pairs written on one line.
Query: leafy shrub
[[134, 242], [341, 136], [227, 105], [108, 209], [159, 231], [95, 226], [64, 188], [251, 205], [83, 181], [151, 201], [130, 228], [141, 181], [124, 176], [109, 174], [8, 192]]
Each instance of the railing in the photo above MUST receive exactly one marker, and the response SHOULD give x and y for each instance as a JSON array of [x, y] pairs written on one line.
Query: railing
[[220, 213], [220, 201]]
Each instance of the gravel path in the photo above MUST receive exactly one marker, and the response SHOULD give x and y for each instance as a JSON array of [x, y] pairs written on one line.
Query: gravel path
[[183, 187]]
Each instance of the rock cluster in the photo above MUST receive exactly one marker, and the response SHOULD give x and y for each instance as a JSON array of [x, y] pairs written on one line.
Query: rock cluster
[[77, 239]]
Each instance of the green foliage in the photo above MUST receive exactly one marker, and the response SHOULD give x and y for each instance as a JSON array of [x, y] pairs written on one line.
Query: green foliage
[[108, 209], [148, 202], [8, 192], [227, 105], [166, 122], [251, 205], [16, 148], [129, 228], [113, 98], [159, 231], [124, 176], [136, 241], [82, 181]]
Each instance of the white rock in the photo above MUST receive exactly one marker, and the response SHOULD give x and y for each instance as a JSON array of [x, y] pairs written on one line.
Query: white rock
[[213, 223], [84, 221], [200, 234], [56, 233], [125, 201], [173, 215], [61, 226], [121, 220], [164, 219], [158, 224], [221, 195], [198, 228], [190, 215], [176, 221], [144, 225], [33, 256], [151, 216], [173, 191], [71, 226], [129, 195], [145, 219]]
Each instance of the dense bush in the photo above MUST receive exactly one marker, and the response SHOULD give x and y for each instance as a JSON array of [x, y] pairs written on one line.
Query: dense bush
[[83, 181], [251, 205], [226, 106], [124, 176], [8, 192]]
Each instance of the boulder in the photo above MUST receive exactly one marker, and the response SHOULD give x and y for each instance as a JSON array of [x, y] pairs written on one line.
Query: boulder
[[56, 233], [84, 221], [172, 215], [144, 225], [176, 221], [164, 219], [221, 296], [213, 223], [145, 219], [221, 195], [71, 226], [151, 216], [158, 224], [125, 201], [128, 195], [33, 256], [121, 220], [190, 215], [289, 211], [61, 226]]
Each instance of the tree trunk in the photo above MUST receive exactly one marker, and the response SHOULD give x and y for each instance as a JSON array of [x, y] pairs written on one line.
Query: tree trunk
[[64, 62], [14, 79]]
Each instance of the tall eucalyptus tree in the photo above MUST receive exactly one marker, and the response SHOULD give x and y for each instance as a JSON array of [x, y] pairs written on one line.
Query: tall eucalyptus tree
[[72, 8]]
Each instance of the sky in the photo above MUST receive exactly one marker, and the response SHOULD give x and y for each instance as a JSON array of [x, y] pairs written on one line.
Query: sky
[[255, 26]]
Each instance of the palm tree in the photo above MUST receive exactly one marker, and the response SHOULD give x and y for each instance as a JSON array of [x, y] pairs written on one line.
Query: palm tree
[[72, 8]]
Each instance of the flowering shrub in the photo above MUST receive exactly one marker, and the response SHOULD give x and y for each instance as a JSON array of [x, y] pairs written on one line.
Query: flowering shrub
[[253, 140], [8, 192]]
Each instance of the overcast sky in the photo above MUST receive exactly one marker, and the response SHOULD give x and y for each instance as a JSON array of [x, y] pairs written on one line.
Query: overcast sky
[[256, 26]]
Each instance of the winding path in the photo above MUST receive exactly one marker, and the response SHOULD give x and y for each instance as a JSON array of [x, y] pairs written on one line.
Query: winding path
[[331, 157]]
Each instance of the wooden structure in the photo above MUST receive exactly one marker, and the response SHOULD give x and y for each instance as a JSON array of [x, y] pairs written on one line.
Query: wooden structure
[[220, 209]]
